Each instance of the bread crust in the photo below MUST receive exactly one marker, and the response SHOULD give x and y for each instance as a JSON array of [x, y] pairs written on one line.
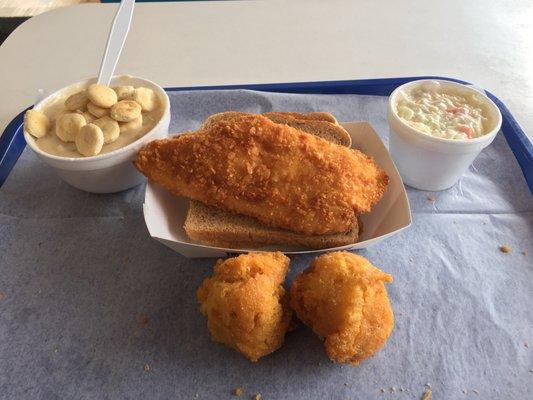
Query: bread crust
[[321, 124], [215, 227]]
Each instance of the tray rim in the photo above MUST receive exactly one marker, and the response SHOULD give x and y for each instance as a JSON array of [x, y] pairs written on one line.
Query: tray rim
[[12, 141]]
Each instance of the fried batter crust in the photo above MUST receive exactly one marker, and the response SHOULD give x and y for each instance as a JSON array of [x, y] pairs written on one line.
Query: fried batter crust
[[342, 297], [246, 306], [284, 177]]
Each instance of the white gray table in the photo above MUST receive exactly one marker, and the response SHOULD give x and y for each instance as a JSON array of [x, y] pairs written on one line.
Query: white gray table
[[78, 272], [204, 43]]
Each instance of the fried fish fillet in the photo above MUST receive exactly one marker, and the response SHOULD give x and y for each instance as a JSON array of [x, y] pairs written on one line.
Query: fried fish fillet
[[284, 177]]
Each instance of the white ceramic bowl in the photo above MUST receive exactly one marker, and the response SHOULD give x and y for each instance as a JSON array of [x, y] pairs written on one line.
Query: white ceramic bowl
[[431, 163], [109, 172]]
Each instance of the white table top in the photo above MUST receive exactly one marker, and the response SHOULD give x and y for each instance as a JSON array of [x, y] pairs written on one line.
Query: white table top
[[203, 43]]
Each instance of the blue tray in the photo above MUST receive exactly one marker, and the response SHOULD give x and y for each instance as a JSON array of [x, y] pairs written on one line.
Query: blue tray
[[12, 141]]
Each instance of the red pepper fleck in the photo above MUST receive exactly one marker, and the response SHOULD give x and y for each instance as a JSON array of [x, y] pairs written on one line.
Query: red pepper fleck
[[466, 130], [455, 110]]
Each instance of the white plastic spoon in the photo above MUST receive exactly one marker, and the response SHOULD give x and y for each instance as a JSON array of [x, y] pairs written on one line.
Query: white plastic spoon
[[115, 41]]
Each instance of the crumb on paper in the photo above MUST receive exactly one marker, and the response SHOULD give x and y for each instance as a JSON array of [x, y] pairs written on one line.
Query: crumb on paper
[[524, 253], [427, 394], [143, 320], [505, 248], [382, 390], [56, 350], [465, 391], [147, 368], [401, 389], [257, 396], [526, 344], [475, 391], [531, 370], [431, 199], [238, 392], [392, 389]]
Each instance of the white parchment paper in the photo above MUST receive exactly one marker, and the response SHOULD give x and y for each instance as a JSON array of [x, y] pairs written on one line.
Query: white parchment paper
[[91, 307]]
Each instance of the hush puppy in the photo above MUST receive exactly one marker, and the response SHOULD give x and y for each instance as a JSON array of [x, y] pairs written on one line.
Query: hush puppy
[[342, 297], [246, 305]]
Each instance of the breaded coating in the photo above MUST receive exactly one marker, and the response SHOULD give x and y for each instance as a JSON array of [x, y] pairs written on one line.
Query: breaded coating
[[342, 297], [279, 175], [246, 306]]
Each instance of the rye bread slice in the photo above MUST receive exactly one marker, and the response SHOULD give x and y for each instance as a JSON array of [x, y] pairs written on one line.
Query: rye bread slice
[[322, 128], [321, 124], [216, 227]]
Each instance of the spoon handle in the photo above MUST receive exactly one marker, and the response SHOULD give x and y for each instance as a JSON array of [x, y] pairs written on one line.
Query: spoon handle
[[115, 41]]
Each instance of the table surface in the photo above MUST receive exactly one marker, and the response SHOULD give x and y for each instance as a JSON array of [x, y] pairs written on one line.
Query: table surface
[[96, 302], [207, 43]]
